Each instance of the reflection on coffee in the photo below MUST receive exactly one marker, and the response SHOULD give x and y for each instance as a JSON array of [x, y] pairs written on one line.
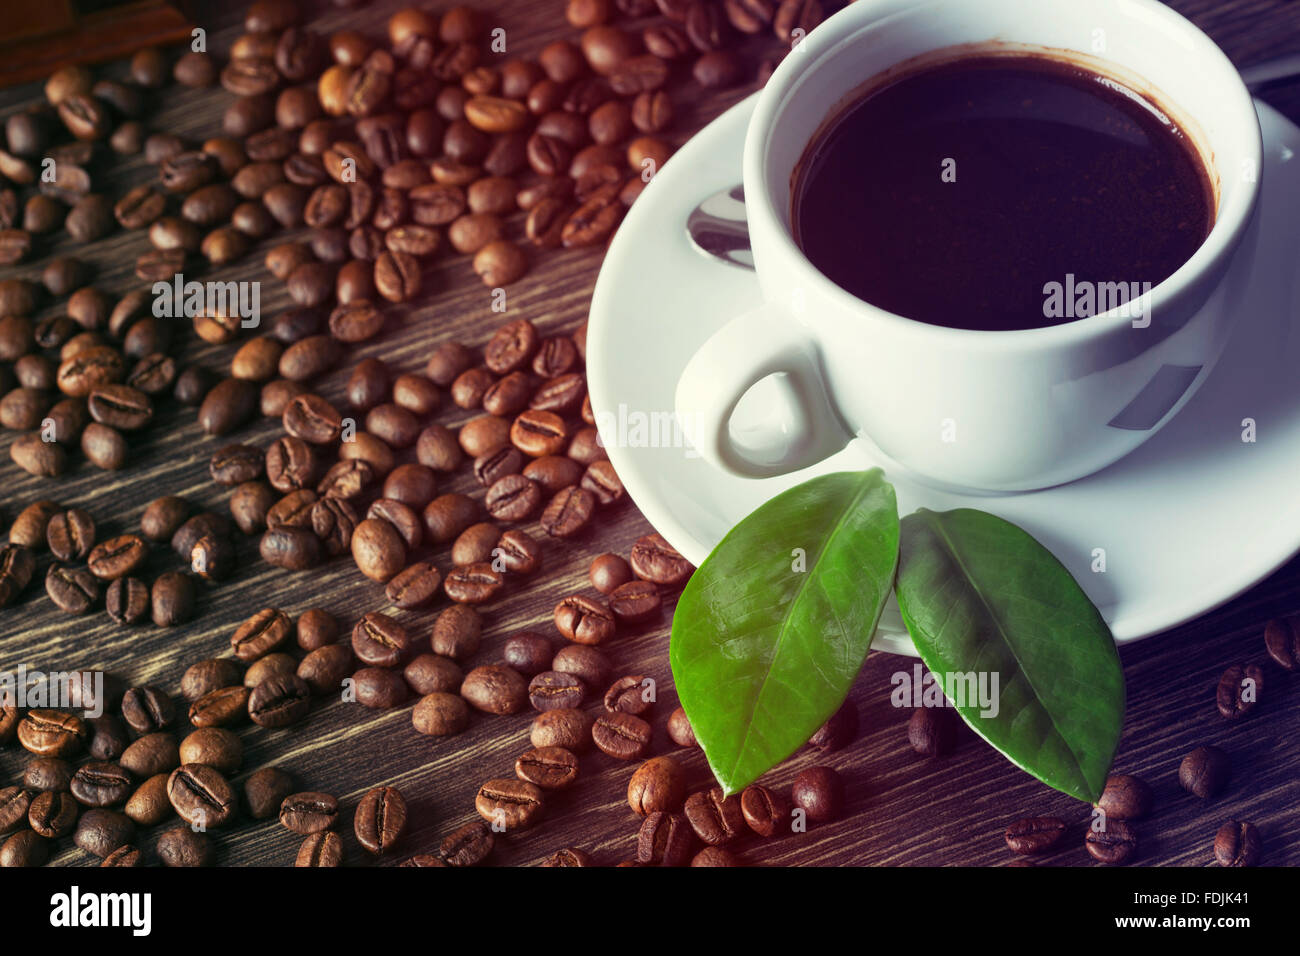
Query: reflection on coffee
[[1000, 192]]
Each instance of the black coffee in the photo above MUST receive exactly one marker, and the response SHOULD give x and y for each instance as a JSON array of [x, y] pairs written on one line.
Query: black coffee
[[1000, 192]]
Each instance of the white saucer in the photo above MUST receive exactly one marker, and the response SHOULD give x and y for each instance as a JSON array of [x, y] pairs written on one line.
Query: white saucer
[[1188, 521]]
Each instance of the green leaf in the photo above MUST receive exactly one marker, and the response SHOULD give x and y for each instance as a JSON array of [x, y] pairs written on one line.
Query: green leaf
[[765, 648], [980, 594]]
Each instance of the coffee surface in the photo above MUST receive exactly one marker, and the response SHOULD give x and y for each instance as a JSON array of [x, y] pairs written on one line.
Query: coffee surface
[[956, 194]]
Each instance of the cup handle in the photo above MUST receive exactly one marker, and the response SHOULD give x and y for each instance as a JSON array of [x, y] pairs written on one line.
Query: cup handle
[[747, 349]]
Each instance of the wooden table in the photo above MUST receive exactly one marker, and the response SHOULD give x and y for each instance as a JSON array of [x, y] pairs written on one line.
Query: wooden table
[[903, 809]]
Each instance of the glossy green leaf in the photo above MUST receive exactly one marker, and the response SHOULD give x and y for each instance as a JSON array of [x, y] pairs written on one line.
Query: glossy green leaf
[[773, 627], [979, 594]]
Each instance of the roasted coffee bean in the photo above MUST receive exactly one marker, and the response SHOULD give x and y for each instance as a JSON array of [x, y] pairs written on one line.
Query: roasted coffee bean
[[268, 666], [1126, 797], [320, 849], [378, 688], [193, 384], [401, 516], [152, 754], [659, 784], [561, 394], [101, 783], [147, 709], [765, 812], [632, 694], [553, 472], [171, 599], [70, 534], [325, 668], [432, 674], [201, 796], [635, 601], [397, 276], [309, 812], [1205, 772], [495, 689], [654, 559], [509, 804], [665, 839], [128, 601], [517, 552], [279, 701], [553, 690], [368, 384], [568, 512], [154, 374], [594, 219], [469, 845], [551, 768], [394, 424], [583, 620], [312, 419], [23, 408], [356, 321], [567, 728], [608, 572], [508, 395], [182, 846], [476, 544], [17, 565], [103, 446], [622, 736], [294, 548], [334, 521], [51, 815], [108, 738], [1116, 844], [209, 675], [15, 802], [214, 746], [257, 359], [457, 632], [1282, 639], [1238, 690], [714, 818], [440, 714], [73, 590], [377, 549], [446, 516], [589, 664], [293, 510], [148, 805], [469, 388], [538, 433], [380, 819], [933, 734], [120, 406], [819, 792], [530, 653], [236, 464], [100, 831], [262, 633], [1034, 834], [265, 791], [483, 434], [308, 357], [512, 498], [38, 457], [380, 641], [472, 584], [48, 773], [230, 404], [1236, 844]]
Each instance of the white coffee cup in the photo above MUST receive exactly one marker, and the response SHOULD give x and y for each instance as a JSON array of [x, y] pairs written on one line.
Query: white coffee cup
[[997, 411]]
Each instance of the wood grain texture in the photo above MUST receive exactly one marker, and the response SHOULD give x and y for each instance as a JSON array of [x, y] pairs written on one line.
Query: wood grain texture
[[903, 809]]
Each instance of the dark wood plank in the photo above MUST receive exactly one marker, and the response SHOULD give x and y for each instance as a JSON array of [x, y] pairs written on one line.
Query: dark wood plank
[[903, 809]]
